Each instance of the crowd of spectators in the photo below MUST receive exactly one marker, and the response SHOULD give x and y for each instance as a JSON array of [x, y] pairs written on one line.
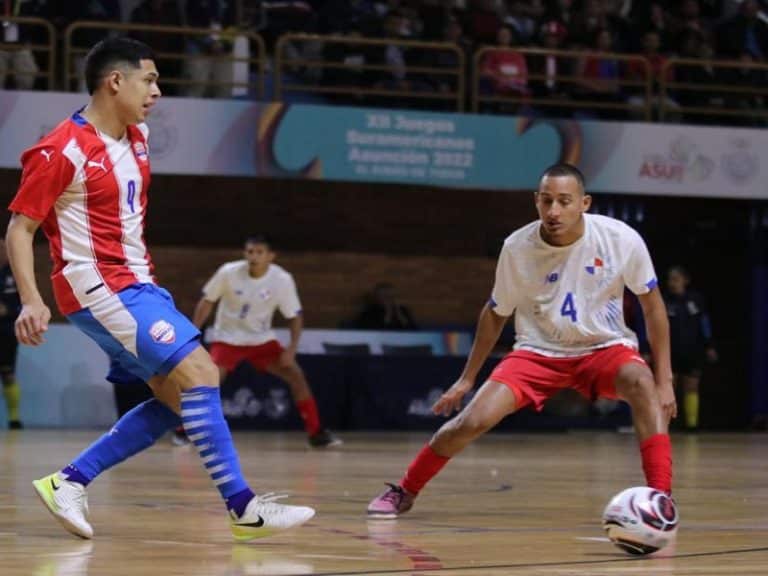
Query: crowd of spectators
[[654, 29]]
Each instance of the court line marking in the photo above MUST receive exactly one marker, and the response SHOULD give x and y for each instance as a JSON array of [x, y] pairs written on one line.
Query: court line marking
[[476, 568]]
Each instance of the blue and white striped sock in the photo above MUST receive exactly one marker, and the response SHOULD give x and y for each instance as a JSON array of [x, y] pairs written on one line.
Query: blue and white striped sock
[[207, 429], [136, 430]]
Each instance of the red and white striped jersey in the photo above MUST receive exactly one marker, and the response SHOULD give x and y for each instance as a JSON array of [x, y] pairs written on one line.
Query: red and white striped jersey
[[90, 193]]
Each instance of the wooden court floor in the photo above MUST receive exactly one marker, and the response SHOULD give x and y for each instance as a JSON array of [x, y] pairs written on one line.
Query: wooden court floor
[[512, 504]]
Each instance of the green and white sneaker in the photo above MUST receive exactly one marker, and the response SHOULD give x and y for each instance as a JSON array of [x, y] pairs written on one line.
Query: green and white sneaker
[[264, 517], [67, 501]]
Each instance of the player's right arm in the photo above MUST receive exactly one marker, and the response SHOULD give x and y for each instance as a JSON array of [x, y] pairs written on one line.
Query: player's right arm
[[212, 292], [203, 311], [493, 316], [33, 319], [45, 173], [489, 327]]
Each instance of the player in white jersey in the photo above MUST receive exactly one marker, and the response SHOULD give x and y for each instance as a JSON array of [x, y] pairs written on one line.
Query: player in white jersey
[[563, 277], [248, 293]]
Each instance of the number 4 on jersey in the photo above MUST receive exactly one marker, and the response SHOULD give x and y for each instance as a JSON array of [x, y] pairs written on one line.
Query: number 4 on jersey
[[568, 308]]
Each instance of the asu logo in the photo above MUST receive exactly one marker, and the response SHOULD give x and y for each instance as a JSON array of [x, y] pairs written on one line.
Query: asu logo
[[163, 332]]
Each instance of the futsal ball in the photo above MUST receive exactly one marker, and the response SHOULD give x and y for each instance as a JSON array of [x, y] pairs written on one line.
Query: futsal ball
[[641, 520]]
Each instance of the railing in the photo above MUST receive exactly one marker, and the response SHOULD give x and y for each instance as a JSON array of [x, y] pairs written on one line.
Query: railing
[[49, 49], [716, 88], [74, 53], [531, 87], [354, 76], [356, 69]]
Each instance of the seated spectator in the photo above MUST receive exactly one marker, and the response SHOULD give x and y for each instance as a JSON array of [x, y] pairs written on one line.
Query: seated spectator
[[382, 311], [600, 76], [637, 71], [505, 70]]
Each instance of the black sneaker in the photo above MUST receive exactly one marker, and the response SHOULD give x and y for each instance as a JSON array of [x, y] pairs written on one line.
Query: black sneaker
[[15, 425], [324, 439]]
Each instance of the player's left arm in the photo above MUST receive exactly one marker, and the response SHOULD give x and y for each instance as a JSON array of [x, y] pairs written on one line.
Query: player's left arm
[[295, 326], [290, 307], [657, 325], [640, 277]]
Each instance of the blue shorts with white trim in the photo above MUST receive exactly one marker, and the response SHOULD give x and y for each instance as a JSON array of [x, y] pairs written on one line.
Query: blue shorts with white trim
[[140, 329]]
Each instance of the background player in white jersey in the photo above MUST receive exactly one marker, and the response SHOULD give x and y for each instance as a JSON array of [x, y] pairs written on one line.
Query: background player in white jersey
[[563, 277], [248, 293], [86, 184]]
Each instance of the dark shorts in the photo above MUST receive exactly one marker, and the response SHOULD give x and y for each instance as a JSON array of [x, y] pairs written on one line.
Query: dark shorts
[[534, 378], [8, 347], [688, 364]]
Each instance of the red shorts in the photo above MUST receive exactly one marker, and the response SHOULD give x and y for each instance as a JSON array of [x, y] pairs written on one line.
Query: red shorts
[[534, 378], [228, 356]]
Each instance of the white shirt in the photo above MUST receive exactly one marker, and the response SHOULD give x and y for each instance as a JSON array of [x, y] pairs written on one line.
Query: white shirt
[[568, 299], [246, 304]]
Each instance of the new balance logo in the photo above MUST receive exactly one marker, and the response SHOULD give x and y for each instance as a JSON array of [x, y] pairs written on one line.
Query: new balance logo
[[47, 154], [92, 164]]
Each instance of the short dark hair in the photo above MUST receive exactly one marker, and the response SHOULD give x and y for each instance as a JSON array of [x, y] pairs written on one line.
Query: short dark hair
[[259, 238], [564, 169], [104, 55]]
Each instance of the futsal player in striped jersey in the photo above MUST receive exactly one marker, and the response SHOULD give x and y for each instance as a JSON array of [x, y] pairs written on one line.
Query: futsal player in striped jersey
[[85, 184], [563, 276]]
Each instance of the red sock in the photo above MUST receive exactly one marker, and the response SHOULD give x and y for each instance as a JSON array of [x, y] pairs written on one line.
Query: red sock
[[656, 453], [308, 411], [422, 469]]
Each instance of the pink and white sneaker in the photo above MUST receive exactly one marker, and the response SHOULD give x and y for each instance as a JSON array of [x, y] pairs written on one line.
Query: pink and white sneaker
[[391, 503]]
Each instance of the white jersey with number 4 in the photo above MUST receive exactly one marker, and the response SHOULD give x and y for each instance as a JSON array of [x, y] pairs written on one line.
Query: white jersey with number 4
[[568, 300], [246, 304]]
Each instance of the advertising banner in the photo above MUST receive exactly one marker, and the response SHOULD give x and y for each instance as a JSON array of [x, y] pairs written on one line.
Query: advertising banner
[[244, 138]]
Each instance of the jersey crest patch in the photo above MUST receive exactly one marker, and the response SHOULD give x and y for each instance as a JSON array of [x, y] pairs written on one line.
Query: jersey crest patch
[[140, 150], [163, 332], [595, 266]]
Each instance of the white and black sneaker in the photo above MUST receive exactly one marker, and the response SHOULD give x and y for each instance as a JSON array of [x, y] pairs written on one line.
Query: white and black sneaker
[[264, 516], [67, 501]]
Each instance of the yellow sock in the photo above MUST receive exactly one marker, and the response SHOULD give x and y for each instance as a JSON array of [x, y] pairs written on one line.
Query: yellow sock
[[691, 401], [12, 395]]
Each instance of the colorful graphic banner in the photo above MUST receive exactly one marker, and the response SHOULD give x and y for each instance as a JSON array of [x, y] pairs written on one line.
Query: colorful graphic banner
[[242, 138]]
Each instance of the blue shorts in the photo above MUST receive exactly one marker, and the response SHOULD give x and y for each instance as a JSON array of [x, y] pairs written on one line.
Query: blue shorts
[[140, 330]]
